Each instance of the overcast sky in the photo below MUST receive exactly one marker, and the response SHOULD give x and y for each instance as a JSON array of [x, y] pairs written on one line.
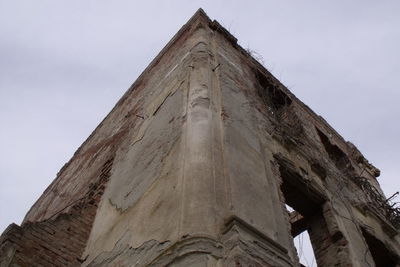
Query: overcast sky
[[64, 64]]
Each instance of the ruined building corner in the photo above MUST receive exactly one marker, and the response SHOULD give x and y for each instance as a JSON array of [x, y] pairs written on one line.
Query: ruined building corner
[[197, 164]]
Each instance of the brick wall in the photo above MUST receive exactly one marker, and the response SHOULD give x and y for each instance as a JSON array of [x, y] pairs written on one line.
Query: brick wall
[[59, 240]]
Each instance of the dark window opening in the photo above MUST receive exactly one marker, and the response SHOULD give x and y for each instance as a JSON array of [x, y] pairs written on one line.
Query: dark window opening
[[306, 216], [339, 158], [304, 208], [270, 93], [297, 192], [380, 254], [301, 238]]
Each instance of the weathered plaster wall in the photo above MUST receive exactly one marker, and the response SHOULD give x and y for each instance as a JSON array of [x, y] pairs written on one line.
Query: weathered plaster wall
[[163, 185]]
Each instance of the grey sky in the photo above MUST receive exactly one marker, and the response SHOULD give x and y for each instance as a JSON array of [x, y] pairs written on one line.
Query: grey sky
[[64, 64]]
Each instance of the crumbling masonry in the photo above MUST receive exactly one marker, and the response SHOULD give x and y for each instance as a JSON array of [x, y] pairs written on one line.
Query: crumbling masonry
[[195, 165]]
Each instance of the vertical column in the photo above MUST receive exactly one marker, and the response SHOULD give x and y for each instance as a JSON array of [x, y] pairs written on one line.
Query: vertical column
[[198, 198]]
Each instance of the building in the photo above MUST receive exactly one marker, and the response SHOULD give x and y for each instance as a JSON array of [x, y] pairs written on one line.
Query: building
[[196, 165]]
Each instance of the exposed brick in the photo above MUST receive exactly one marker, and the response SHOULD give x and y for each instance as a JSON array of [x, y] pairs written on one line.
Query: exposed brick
[[58, 241]]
